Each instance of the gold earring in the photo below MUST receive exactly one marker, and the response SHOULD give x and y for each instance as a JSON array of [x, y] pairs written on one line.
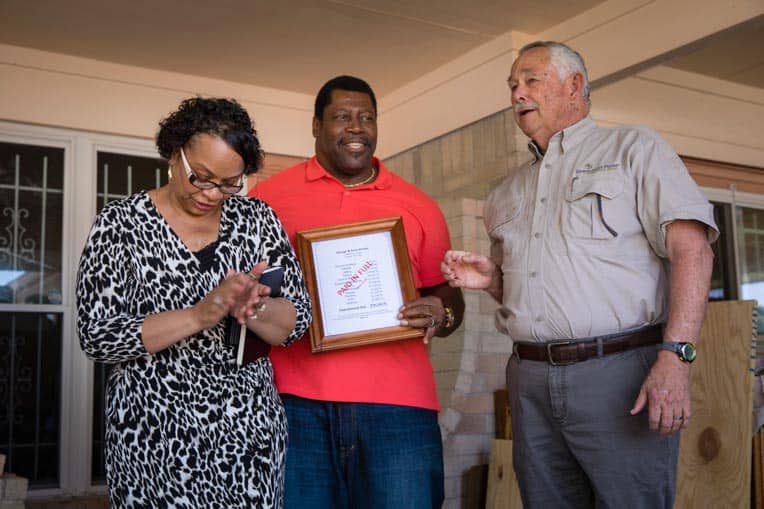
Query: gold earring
[[169, 173]]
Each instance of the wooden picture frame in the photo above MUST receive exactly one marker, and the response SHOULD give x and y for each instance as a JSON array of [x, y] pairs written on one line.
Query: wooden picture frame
[[358, 275]]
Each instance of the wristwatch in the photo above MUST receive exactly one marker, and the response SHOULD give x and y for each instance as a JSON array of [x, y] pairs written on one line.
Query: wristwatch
[[685, 351]]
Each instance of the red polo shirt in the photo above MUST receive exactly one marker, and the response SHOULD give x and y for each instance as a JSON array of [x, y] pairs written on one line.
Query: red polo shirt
[[399, 373]]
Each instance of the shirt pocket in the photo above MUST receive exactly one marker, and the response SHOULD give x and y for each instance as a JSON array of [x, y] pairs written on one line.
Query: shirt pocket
[[505, 226], [593, 208]]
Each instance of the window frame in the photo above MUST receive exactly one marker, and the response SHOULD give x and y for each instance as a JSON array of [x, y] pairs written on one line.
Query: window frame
[[734, 198], [79, 206]]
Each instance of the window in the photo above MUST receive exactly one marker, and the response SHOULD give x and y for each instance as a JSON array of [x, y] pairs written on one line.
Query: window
[[31, 290], [49, 405], [723, 278], [751, 252], [739, 252]]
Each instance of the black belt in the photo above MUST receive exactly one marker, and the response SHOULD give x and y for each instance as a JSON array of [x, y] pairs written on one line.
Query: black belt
[[578, 350]]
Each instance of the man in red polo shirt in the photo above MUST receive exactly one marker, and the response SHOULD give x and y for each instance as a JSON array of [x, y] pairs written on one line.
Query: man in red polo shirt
[[363, 428]]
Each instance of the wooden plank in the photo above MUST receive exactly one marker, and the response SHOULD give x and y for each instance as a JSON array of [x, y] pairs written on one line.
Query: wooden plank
[[715, 452], [503, 492], [758, 501], [474, 486], [760, 478], [501, 412]]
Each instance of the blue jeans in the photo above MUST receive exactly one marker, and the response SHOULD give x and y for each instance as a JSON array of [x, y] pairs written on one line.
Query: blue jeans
[[358, 455]]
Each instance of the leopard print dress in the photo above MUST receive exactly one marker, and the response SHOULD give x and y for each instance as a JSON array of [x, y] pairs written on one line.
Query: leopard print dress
[[186, 427]]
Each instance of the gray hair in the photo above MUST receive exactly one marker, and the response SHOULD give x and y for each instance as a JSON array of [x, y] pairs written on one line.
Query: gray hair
[[565, 60]]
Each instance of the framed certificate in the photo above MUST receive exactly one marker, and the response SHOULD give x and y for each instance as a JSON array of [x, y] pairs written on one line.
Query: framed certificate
[[358, 275]]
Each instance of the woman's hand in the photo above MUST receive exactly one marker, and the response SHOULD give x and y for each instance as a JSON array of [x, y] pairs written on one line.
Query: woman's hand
[[238, 294], [254, 298]]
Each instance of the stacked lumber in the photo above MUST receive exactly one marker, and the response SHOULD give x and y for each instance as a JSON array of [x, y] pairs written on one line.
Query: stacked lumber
[[757, 481], [503, 492]]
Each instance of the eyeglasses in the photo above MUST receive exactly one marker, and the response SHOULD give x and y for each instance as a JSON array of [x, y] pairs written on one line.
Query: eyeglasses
[[204, 184]]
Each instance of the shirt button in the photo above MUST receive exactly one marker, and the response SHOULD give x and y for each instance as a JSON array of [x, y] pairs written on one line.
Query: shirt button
[[533, 274], [543, 200], [539, 318], [347, 193], [537, 235], [547, 166]]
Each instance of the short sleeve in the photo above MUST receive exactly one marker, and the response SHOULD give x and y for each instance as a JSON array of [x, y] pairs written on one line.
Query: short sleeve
[[666, 192]]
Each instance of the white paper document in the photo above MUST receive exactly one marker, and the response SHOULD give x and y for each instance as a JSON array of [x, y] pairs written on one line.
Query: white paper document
[[358, 284]]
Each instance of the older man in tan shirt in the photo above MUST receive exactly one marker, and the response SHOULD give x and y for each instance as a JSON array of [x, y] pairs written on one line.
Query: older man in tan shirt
[[601, 261]]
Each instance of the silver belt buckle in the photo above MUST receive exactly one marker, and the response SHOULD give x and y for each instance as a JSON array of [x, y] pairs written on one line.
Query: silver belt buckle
[[549, 353]]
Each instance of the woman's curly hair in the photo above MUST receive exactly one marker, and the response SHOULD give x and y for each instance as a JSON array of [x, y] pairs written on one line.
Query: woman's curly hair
[[224, 118]]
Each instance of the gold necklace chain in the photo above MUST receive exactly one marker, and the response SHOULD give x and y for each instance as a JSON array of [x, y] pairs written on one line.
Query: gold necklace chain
[[366, 180]]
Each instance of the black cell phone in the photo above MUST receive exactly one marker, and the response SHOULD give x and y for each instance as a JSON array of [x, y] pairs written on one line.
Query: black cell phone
[[273, 278]]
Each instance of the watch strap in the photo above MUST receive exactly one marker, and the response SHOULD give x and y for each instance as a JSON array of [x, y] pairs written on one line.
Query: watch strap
[[679, 348]]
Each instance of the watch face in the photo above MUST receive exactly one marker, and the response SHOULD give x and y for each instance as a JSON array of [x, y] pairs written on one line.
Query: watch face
[[688, 352]]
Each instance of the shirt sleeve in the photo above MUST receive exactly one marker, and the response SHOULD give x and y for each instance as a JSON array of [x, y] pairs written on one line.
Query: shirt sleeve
[[278, 251], [666, 192], [108, 332]]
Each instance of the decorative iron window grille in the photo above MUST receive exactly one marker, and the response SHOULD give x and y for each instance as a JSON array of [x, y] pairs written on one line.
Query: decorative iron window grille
[[31, 234]]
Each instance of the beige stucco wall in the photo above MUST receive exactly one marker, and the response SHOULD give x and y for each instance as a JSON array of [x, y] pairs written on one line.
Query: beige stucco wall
[[700, 116], [50, 89]]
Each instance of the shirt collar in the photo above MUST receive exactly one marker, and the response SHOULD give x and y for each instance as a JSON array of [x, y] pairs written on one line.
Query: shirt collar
[[315, 171], [573, 135], [567, 138], [535, 150]]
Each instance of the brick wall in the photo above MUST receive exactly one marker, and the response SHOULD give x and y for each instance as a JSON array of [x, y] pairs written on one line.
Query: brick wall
[[272, 164], [458, 170]]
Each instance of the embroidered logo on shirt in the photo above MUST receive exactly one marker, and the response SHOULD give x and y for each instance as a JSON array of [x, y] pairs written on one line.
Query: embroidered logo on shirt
[[590, 168]]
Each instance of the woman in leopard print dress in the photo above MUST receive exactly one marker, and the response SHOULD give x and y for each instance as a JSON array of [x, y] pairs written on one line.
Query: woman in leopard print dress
[[160, 273]]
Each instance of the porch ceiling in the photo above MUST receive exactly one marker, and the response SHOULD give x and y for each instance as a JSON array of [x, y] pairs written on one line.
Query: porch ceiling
[[296, 45]]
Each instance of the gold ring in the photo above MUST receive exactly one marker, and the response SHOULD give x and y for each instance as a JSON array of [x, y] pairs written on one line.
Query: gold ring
[[217, 301], [258, 309]]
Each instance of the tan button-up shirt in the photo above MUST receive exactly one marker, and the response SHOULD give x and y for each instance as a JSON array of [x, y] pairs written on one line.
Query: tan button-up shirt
[[580, 233]]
